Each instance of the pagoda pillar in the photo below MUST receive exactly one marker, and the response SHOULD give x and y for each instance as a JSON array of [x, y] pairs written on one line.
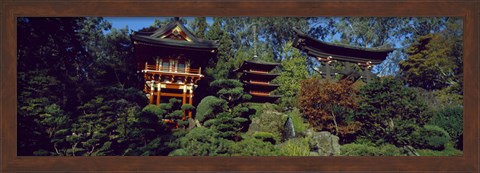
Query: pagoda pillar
[[184, 98], [159, 88], [190, 101], [151, 91]]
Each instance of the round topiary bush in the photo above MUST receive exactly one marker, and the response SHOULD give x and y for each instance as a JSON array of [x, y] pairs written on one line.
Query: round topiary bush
[[209, 107], [451, 120], [431, 137]]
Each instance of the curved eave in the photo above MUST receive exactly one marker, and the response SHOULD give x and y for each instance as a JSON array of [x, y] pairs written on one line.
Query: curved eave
[[260, 87], [269, 96], [247, 65], [317, 48], [260, 74], [252, 75], [142, 39]]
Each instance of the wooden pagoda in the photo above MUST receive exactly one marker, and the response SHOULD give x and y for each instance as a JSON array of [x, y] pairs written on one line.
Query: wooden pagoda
[[327, 53], [171, 59], [256, 77]]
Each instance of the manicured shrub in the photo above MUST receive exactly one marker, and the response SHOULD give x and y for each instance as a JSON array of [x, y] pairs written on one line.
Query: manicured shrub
[[295, 147], [266, 137], [448, 151], [451, 120], [390, 112], [202, 141], [250, 146], [365, 149], [269, 120], [209, 107], [431, 137]]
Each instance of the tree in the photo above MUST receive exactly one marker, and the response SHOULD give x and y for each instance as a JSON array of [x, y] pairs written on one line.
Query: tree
[[226, 112], [430, 64], [48, 59], [202, 141], [293, 70], [329, 106], [199, 26], [390, 112], [250, 146], [219, 67]]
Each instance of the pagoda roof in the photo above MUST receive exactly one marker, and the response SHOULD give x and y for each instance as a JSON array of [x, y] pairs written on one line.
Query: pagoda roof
[[252, 64], [258, 76], [186, 39], [260, 86], [264, 98], [317, 48]]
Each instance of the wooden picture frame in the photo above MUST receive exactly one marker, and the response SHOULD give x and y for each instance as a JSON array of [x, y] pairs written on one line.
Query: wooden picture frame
[[10, 10]]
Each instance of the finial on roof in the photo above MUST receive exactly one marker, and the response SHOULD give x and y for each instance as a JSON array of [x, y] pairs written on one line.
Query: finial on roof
[[255, 41], [176, 18]]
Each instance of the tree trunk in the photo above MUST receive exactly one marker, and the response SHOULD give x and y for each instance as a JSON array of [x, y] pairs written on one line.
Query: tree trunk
[[335, 122]]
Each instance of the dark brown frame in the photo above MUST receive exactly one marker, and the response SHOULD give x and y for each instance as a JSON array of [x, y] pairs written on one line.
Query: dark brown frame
[[9, 10]]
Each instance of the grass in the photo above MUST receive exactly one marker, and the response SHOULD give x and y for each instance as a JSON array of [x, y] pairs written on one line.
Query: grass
[[298, 122], [448, 151]]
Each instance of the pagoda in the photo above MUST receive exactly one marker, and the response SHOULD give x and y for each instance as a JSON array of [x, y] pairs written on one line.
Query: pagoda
[[256, 77], [171, 60], [328, 53]]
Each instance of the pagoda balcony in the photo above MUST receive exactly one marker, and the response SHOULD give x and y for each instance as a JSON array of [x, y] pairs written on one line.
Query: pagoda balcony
[[259, 82], [155, 69], [258, 71], [259, 93]]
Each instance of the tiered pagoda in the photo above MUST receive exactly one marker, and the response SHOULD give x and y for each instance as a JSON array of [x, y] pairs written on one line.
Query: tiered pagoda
[[171, 59], [256, 77], [328, 53]]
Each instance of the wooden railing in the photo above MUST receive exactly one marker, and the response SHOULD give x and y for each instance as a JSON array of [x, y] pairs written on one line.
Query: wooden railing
[[258, 71], [260, 93], [259, 82], [172, 69]]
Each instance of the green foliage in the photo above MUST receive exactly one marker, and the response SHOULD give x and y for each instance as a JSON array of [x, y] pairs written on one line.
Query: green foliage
[[265, 136], [294, 69], [202, 141], [79, 93], [154, 109], [295, 147], [431, 63], [298, 122], [431, 137], [150, 135], [448, 151], [390, 112], [220, 67], [253, 147], [369, 149], [230, 90], [451, 120], [268, 119], [209, 107], [199, 26], [226, 113]]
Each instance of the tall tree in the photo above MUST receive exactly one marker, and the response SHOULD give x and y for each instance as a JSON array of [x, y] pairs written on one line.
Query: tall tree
[[49, 67], [390, 112], [199, 26], [329, 106], [431, 63], [226, 112], [293, 70]]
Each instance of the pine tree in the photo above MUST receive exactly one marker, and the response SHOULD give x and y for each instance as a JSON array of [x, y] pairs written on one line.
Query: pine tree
[[226, 112]]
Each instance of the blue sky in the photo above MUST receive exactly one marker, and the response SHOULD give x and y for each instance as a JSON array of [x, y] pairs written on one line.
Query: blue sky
[[136, 23], [133, 23]]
